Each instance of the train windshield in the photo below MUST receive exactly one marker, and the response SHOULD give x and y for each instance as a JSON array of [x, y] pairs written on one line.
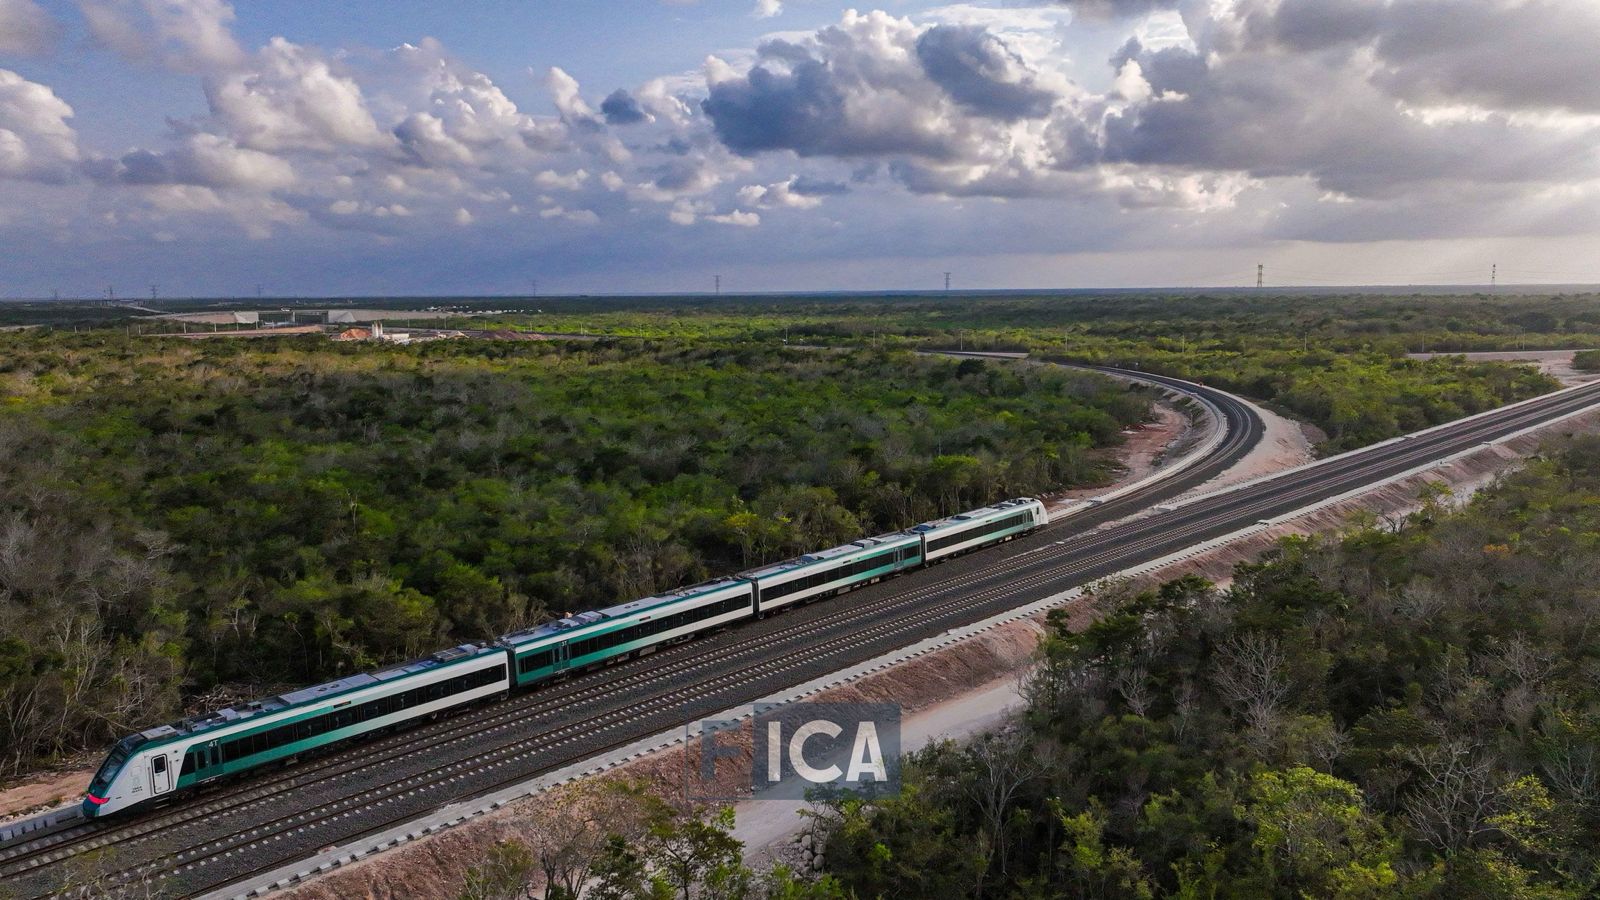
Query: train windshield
[[113, 764]]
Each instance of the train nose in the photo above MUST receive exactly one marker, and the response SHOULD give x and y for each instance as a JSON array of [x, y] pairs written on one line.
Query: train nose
[[91, 805]]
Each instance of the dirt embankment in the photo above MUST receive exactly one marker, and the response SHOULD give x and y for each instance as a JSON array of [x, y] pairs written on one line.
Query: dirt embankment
[[45, 790], [1146, 448], [1285, 444], [961, 690], [435, 867], [1555, 363], [952, 693]]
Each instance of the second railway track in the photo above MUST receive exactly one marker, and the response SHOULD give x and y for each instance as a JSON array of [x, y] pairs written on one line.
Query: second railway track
[[369, 786]]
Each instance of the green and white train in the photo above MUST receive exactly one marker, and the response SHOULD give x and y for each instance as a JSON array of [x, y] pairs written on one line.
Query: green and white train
[[171, 759]]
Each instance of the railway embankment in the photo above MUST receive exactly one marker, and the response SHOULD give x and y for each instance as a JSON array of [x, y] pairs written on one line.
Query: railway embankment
[[959, 690], [947, 693]]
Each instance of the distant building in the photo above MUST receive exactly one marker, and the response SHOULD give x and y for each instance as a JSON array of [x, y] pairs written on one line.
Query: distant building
[[373, 332], [234, 317]]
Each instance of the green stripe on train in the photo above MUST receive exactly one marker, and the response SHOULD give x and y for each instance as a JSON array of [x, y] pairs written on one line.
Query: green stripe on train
[[620, 649]]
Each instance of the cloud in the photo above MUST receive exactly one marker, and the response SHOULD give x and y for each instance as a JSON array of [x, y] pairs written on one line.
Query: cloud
[[291, 98], [427, 144], [1363, 98], [576, 216], [982, 73], [677, 178], [737, 217], [26, 29], [1537, 55], [36, 143], [816, 187], [1237, 103], [1118, 9], [205, 160], [476, 123], [184, 35], [862, 88], [766, 9], [777, 195], [620, 108], [876, 137], [563, 90], [549, 179]]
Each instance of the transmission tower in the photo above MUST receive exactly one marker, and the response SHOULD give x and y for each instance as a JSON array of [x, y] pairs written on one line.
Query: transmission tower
[[1261, 275], [718, 281], [947, 282], [1494, 275]]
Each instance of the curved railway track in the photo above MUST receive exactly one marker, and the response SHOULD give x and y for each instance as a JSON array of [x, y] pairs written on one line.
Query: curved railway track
[[215, 839], [1242, 429]]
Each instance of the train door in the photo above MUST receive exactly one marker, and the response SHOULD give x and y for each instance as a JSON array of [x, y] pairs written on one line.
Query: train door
[[160, 775], [561, 657]]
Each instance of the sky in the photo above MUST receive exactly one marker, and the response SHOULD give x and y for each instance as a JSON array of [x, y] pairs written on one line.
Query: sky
[[373, 147]]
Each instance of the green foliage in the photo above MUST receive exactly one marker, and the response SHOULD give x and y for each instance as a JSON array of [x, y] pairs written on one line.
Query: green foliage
[[1395, 711], [269, 513], [1356, 397], [1088, 868], [685, 853], [1316, 837], [1586, 360], [1338, 361]]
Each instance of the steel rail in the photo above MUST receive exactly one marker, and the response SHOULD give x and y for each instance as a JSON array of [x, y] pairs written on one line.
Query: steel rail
[[1001, 581]]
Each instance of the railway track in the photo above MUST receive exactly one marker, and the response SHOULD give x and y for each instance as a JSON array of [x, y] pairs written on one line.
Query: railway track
[[217, 839], [1242, 429], [238, 800]]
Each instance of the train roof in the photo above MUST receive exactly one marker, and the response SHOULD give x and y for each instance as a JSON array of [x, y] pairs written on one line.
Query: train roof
[[239, 712], [983, 512], [584, 619], [832, 553]]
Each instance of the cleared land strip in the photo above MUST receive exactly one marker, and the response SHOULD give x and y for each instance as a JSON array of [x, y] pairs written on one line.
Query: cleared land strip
[[748, 663], [270, 818], [1342, 477], [720, 672]]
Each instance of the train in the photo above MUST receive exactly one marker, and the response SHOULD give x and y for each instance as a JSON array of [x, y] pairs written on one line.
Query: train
[[163, 762]]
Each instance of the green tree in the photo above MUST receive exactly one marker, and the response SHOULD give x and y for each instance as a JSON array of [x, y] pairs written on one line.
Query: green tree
[[1316, 837], [1089, 868]]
